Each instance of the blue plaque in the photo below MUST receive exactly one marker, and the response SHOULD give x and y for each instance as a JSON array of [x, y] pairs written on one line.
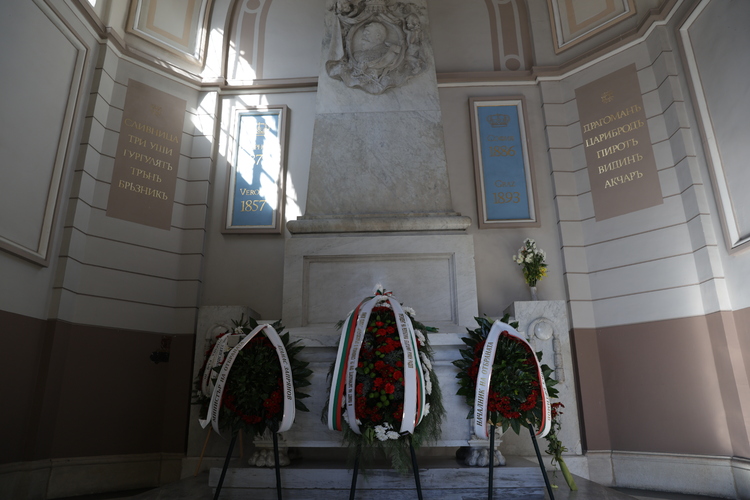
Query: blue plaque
[[256, 183], [504, 181]]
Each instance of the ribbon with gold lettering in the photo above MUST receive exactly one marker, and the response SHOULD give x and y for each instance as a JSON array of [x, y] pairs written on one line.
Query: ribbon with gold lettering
[[286, 375], [482, 392], [414, 390]]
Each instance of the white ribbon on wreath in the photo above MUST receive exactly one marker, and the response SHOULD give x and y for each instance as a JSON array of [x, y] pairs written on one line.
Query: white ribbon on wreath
[[345, 368], [482, 392], [218, 389]]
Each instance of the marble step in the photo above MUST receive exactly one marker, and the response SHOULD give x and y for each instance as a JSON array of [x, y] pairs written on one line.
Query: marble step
[[443, 479]]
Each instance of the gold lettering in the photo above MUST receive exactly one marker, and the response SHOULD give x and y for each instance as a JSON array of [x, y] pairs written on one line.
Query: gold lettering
[[606, 120], [136, 140], [145, 174], [615, 164], [252, 205], [142, 127], [622, 179], [146, 191], [148, 160], [507, 197], [617, 147], [623, 129], [161, 149]]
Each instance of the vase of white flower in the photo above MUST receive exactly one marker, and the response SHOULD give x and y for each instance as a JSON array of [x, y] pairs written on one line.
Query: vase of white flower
[[532, 259]]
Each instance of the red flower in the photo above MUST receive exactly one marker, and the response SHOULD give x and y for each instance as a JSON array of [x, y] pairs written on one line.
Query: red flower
[[556, 409], [478, 348], [389, 388]]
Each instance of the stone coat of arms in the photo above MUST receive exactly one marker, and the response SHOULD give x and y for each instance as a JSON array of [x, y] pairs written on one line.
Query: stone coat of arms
[[376, 44]]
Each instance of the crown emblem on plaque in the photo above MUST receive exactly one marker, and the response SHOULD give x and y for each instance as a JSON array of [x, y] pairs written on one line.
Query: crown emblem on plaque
[[498, 120]]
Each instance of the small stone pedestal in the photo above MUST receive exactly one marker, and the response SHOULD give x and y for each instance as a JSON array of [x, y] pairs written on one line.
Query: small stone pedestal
[[544, 323]]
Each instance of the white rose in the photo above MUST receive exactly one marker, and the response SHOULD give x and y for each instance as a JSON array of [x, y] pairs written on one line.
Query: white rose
[[420, 336], [425, 360]]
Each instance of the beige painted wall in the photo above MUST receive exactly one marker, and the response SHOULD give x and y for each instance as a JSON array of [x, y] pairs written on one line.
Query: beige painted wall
[[649, 292]]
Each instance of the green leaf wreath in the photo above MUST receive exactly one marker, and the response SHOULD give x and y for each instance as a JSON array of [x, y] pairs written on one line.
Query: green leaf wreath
[[515, 398], [253, 395], [380, 392]]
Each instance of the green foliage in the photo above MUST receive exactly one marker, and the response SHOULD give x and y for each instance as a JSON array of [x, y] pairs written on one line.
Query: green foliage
[[514, 398], [253, 394]]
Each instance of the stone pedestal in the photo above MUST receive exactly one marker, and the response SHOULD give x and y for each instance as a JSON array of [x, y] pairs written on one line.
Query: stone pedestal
[[325, 277], [544, 324]]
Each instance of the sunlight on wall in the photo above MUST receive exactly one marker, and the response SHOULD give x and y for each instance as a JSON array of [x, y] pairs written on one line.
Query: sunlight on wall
[[242, 70], [205, 118], [212, 69], [293, 209]]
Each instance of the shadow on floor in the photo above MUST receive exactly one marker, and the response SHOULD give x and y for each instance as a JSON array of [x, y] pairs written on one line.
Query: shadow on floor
[[196, 488]]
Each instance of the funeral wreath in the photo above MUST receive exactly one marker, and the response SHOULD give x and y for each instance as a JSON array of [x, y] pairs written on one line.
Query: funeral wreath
[[384, 392], [251, 379]]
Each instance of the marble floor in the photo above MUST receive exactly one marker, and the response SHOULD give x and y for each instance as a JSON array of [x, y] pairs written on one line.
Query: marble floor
[[196, 488]]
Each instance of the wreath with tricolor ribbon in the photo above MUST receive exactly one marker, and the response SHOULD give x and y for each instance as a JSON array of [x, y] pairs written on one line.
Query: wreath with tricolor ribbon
[[384, 390], [254, 384]]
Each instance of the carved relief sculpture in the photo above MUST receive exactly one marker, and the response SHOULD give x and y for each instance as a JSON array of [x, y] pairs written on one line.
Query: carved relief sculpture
[[376, 44]]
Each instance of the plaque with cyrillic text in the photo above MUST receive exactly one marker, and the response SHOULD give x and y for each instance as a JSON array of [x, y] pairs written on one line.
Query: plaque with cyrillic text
[[148, 153], [504, 181], [255, 199], [617, 145]]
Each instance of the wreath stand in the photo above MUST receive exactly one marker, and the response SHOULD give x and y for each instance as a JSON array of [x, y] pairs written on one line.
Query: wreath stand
[[414, 467], [276, 463], [538, 456], [203, 451]]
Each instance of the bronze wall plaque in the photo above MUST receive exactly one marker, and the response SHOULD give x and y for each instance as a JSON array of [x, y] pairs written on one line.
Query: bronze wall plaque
[[619, 155], [148, 154]]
